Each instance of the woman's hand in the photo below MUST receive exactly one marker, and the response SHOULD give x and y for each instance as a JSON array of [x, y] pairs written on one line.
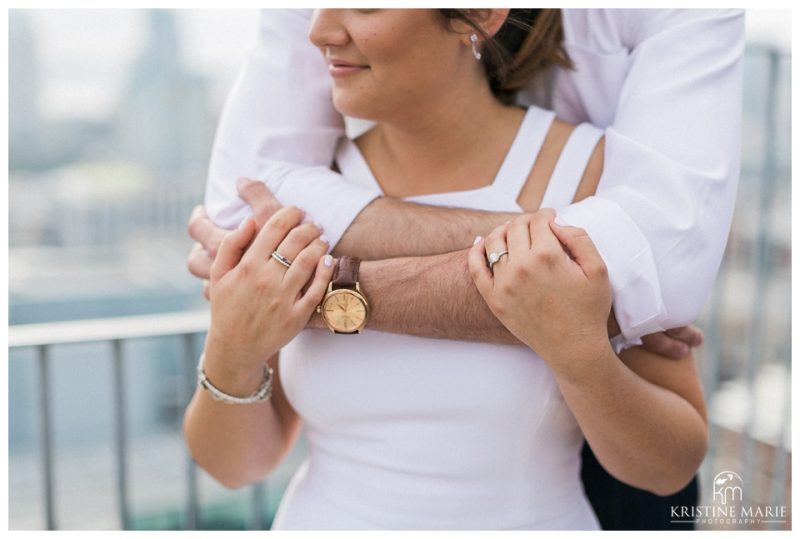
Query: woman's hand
[[257, 304], [551, 290]]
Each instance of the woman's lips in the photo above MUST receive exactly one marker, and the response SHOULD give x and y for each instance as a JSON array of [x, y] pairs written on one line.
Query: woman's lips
[[344, 69]]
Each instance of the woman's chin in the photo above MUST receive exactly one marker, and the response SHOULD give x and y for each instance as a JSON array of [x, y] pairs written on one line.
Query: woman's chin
[[354, 108]]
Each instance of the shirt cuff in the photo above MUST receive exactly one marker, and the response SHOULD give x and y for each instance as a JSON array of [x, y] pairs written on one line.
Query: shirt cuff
[[620, 343], [638, 305], [334, 202]]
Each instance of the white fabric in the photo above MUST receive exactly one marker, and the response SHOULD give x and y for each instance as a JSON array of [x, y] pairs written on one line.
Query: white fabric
[[571, 163], [412, 433], [279, 125], [522, 155], [666, 84]]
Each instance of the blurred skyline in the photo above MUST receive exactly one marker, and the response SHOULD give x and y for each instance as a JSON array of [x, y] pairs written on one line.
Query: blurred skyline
[[84, 73]]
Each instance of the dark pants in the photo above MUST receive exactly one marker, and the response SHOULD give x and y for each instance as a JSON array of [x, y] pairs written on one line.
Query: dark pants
[[621, 507]]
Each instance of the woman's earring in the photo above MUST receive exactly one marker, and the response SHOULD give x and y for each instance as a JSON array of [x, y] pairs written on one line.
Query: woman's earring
[[474, 39]]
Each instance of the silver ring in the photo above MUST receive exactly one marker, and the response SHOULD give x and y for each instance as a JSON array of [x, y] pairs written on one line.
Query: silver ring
[[281, 259], [494, 258]]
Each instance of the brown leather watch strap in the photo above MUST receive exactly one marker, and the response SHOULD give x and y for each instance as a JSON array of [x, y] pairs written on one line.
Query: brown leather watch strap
[[345, 275]]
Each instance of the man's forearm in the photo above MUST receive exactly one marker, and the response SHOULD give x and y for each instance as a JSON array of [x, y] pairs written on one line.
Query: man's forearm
[[431, 296], [389, 228]]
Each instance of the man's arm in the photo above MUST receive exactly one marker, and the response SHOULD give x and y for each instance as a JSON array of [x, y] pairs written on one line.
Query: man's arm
[[279, 126], [388, 228], [672, 153], [430, 296], [399, 286]]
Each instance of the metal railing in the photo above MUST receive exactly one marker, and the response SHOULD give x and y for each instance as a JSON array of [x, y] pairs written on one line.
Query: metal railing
[[117, 331], [763, 251], [187, 325]]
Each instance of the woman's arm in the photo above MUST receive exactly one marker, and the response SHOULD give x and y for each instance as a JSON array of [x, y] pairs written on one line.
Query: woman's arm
[[239, 444], [258, 305], [643, 416]]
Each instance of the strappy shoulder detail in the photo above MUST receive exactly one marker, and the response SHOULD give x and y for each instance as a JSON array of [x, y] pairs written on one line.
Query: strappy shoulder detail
[[524, 150], [502, 193], [571, 164]]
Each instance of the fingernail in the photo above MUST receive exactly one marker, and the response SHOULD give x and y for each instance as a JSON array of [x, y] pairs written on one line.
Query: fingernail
[[241, 181], [323, 238], [559, 221], [508, 222], [316, 224], [327, 260], [477, 239], [243, 223], [683, 350]]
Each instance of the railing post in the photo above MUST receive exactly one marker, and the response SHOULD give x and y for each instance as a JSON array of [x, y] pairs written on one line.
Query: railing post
[[47, 435], [258, 495], [711, 375], [754, 359], [190, 380], [781, 455], [121, 443]]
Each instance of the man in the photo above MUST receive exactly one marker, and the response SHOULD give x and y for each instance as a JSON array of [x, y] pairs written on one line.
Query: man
[[666, 85]]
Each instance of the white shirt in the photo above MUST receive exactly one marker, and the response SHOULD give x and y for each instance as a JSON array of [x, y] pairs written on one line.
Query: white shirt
[[666, 86]]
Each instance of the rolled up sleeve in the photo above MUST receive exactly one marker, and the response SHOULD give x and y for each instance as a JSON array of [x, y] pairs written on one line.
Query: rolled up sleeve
[[664, 205], [279, 126]]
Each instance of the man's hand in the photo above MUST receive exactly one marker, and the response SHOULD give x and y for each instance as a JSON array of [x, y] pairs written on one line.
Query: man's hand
[[674, 343], [259, 198], [209, 236]]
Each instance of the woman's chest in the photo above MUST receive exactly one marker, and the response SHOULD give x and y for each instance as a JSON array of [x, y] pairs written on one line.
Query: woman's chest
[[353, 381]]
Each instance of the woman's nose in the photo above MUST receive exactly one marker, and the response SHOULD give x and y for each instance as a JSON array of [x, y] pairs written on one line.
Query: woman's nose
[[327, 29]]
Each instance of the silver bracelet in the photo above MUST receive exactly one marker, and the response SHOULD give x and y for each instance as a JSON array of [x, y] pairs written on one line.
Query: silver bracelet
[[260, 395]]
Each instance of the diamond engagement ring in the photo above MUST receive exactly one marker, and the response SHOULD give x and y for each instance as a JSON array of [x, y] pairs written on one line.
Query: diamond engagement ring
[[494, 258], [281, 259]]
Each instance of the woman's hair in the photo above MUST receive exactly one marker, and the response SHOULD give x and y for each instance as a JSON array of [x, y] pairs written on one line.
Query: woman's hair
[[529, 43]]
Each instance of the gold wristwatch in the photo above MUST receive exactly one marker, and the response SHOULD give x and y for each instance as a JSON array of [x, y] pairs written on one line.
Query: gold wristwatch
[[344, 308]]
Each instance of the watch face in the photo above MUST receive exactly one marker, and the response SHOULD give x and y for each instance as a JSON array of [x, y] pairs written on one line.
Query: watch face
[[345, 311]]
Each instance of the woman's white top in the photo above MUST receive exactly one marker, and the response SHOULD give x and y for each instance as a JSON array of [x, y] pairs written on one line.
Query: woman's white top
[[415, 433]]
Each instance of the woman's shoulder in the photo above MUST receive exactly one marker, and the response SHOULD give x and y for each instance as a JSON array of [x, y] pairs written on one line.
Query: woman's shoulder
[[559, 129], [583, 163], [559, 133]]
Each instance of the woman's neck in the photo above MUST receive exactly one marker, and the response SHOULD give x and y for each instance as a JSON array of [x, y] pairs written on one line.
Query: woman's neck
[[455, 141]]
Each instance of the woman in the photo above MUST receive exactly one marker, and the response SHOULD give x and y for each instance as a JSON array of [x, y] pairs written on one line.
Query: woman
[[407, 432]]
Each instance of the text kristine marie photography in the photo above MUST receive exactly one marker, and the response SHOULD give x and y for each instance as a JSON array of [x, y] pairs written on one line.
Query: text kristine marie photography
[[729, 509]]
